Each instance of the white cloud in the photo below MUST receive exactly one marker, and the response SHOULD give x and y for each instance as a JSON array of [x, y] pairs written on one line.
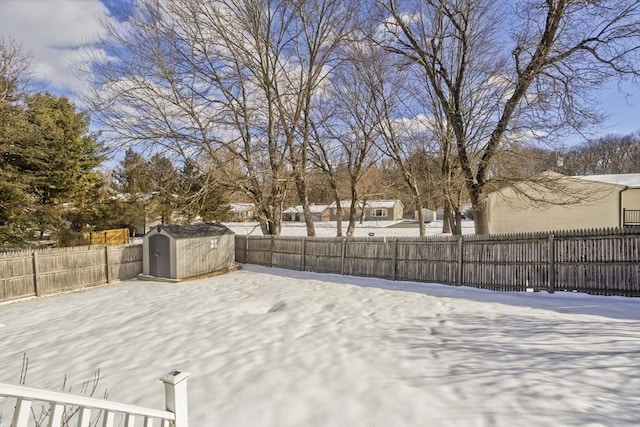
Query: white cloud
[[53, 32]]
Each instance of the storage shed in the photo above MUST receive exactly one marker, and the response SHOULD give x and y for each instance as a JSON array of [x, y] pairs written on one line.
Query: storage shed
[[177, 252]]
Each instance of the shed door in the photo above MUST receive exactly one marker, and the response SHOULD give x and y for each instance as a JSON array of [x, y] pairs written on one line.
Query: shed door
[[159, 256]]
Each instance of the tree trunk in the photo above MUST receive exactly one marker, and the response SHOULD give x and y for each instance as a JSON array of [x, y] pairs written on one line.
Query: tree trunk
[[338, 216], [457, 229], [479, 210], [447, 218], [418, 200], [301, 187], [352, 212]]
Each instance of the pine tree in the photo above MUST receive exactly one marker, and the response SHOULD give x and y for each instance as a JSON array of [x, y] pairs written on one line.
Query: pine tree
[[48, 160]]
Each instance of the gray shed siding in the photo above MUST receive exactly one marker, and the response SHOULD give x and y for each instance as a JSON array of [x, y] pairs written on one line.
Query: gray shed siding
[[200, 256]]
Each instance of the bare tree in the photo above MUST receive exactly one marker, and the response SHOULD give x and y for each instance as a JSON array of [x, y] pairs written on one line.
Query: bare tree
[[398, 139], [319, 27], [346, 131], [15, 67], [504, 73], [224, 82]]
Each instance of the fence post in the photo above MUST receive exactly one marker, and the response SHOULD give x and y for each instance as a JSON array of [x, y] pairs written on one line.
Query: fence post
[[36, 286], [552, 263], [175, 396], [304, 254], [343, 254], [460, 260], [106, 263], [395, 259], [273, 242]]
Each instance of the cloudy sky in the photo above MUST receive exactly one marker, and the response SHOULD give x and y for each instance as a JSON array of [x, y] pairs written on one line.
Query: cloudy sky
[[54, 31]]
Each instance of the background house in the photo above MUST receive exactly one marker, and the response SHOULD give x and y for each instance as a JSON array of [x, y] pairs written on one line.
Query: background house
[[295, 213], [242, 212], [566, 203], [383, 210]]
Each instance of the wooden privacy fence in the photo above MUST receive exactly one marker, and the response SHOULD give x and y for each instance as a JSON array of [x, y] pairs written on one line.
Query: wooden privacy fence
[[49, 271], [117, 236], [605, 262]]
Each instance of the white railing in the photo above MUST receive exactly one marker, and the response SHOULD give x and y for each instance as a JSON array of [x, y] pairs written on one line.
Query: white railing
[[175, 415]]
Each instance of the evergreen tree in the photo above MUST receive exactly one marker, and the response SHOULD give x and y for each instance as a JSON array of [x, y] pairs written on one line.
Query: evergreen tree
[[202, 196], [133, 190], [165, 183], [48, 160]]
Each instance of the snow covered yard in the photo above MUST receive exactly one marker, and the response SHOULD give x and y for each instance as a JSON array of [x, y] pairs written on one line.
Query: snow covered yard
[[270, 347]]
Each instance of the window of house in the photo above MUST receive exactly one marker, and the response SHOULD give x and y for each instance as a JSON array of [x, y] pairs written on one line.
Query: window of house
[[379, 212]]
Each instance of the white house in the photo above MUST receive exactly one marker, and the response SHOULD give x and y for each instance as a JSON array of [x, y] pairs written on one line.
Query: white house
[[243, 212], [296, 213], [383, 210]]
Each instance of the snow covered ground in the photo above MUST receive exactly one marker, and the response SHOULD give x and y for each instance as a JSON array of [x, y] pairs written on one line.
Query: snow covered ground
[[271, 347], [328, 229]]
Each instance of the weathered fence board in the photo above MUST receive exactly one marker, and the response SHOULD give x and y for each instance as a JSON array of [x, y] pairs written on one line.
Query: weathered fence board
[[118, 236], [125, 262], [50, 271], [17, 276], [369, 258], [288, 253], [595, 261], [427, 260], [324, 255]]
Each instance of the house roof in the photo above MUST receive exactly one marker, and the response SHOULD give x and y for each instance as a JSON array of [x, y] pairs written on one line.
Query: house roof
[[631, 180], [189, 231], [315, 209], [382, 203], [370, 203], [241, 207]]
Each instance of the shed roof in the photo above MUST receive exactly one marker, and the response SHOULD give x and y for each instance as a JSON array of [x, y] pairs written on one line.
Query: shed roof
[[190, 231], [631, 180], [370, 204]]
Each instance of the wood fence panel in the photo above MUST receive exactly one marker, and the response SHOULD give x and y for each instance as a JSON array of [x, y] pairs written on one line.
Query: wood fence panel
[[287, 253], [598, 262], [324, 255], [125, 262], [427, 260], [369, 257], [259, 250], [117, 236], [506, 263], [16, 275], [65, 269], [241, 248]]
